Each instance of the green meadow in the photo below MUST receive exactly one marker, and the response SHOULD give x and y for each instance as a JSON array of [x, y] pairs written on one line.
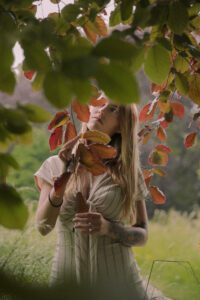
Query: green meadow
[[172, 237]]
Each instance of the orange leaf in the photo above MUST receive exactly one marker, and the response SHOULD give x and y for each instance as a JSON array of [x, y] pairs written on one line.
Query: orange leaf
[[164, 106], [148, 174], [29, 74], [100, 24], [91, 35], [158, 158], [103, 151], [98, 102], [190, 139], [61, 118], [157, 195], [70, 132], [146, 137], [82, 111], [159, 172], [178, 109], [90, 161], [157, 88], [163, 124], [56, 138], [163, 148], [96, 136], [161, 134], [147, 112]]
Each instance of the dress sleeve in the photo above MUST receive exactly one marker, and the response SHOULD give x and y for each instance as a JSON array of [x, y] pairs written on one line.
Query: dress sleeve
[[51, 168], [143, 192]]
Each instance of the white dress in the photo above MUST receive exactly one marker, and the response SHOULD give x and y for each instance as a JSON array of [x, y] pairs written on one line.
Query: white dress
[[79, 256]]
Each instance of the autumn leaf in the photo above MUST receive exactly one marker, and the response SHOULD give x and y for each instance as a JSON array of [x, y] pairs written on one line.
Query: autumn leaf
[[159, 172], [103, 151], [70, 132], [158, 158], [55, 139], [190, 139], [163, 124], [90, 160], [148, 174], [96, 136], [91, 35], [81, 204], [29, 74], [164, 106], [161, 133], [61, 118], [147, 112], [146, 137], [101, 26], [60, 182], [178, 109], [82, 111], [157, 195], [163, 148]]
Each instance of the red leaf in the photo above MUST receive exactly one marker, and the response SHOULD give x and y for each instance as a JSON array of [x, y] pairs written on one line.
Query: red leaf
[[103, 151], [178, 109], [163, 148], [147, 112], [29, 74], [82, 111], [56, 138], [190, 139], [163, 124], [148, 174], [158, 158], [70, 132], [60, 118], [161, 134], [157, 195]]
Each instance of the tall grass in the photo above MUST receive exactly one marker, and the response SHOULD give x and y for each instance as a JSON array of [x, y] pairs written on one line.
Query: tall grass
[[172, 236]]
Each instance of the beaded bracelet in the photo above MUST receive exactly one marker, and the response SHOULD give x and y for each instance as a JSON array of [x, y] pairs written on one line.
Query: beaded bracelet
[[53, 204]]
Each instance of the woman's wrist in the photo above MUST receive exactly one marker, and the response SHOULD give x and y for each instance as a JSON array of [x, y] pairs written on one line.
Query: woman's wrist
[[55, 200]]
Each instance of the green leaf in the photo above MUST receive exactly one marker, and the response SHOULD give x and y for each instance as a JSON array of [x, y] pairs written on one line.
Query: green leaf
[[178, 17], [114, 48], [7, 82], [36, 57], [35, 113], [38, 81], [182, 84], [70, 12], [82, 89], [115, 17], [138, 59], [16, 121], [157, 64], [141, 16], [57, 89], [13, 212], [181, 64], [126, 9], [118, 83]]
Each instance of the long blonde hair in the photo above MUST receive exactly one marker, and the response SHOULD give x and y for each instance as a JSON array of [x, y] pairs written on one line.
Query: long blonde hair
[[124, 168]]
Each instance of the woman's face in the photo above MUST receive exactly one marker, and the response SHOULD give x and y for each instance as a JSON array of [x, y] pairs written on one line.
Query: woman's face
[[104, 118]]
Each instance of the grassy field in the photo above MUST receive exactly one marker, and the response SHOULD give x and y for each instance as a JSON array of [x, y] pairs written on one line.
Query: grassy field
[[172, 237]]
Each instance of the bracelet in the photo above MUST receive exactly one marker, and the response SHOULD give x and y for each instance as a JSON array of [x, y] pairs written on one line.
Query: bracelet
[[53, 204]]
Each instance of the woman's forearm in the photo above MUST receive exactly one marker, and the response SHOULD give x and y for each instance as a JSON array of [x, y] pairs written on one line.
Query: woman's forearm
[[136, 235]]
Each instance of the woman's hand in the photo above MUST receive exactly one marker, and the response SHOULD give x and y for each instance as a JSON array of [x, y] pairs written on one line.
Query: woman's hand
[[91, 222]]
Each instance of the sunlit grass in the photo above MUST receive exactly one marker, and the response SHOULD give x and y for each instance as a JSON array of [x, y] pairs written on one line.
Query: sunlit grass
[[172, 237]]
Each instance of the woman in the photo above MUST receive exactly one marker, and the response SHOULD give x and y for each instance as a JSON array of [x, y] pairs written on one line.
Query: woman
[[96, 245]]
